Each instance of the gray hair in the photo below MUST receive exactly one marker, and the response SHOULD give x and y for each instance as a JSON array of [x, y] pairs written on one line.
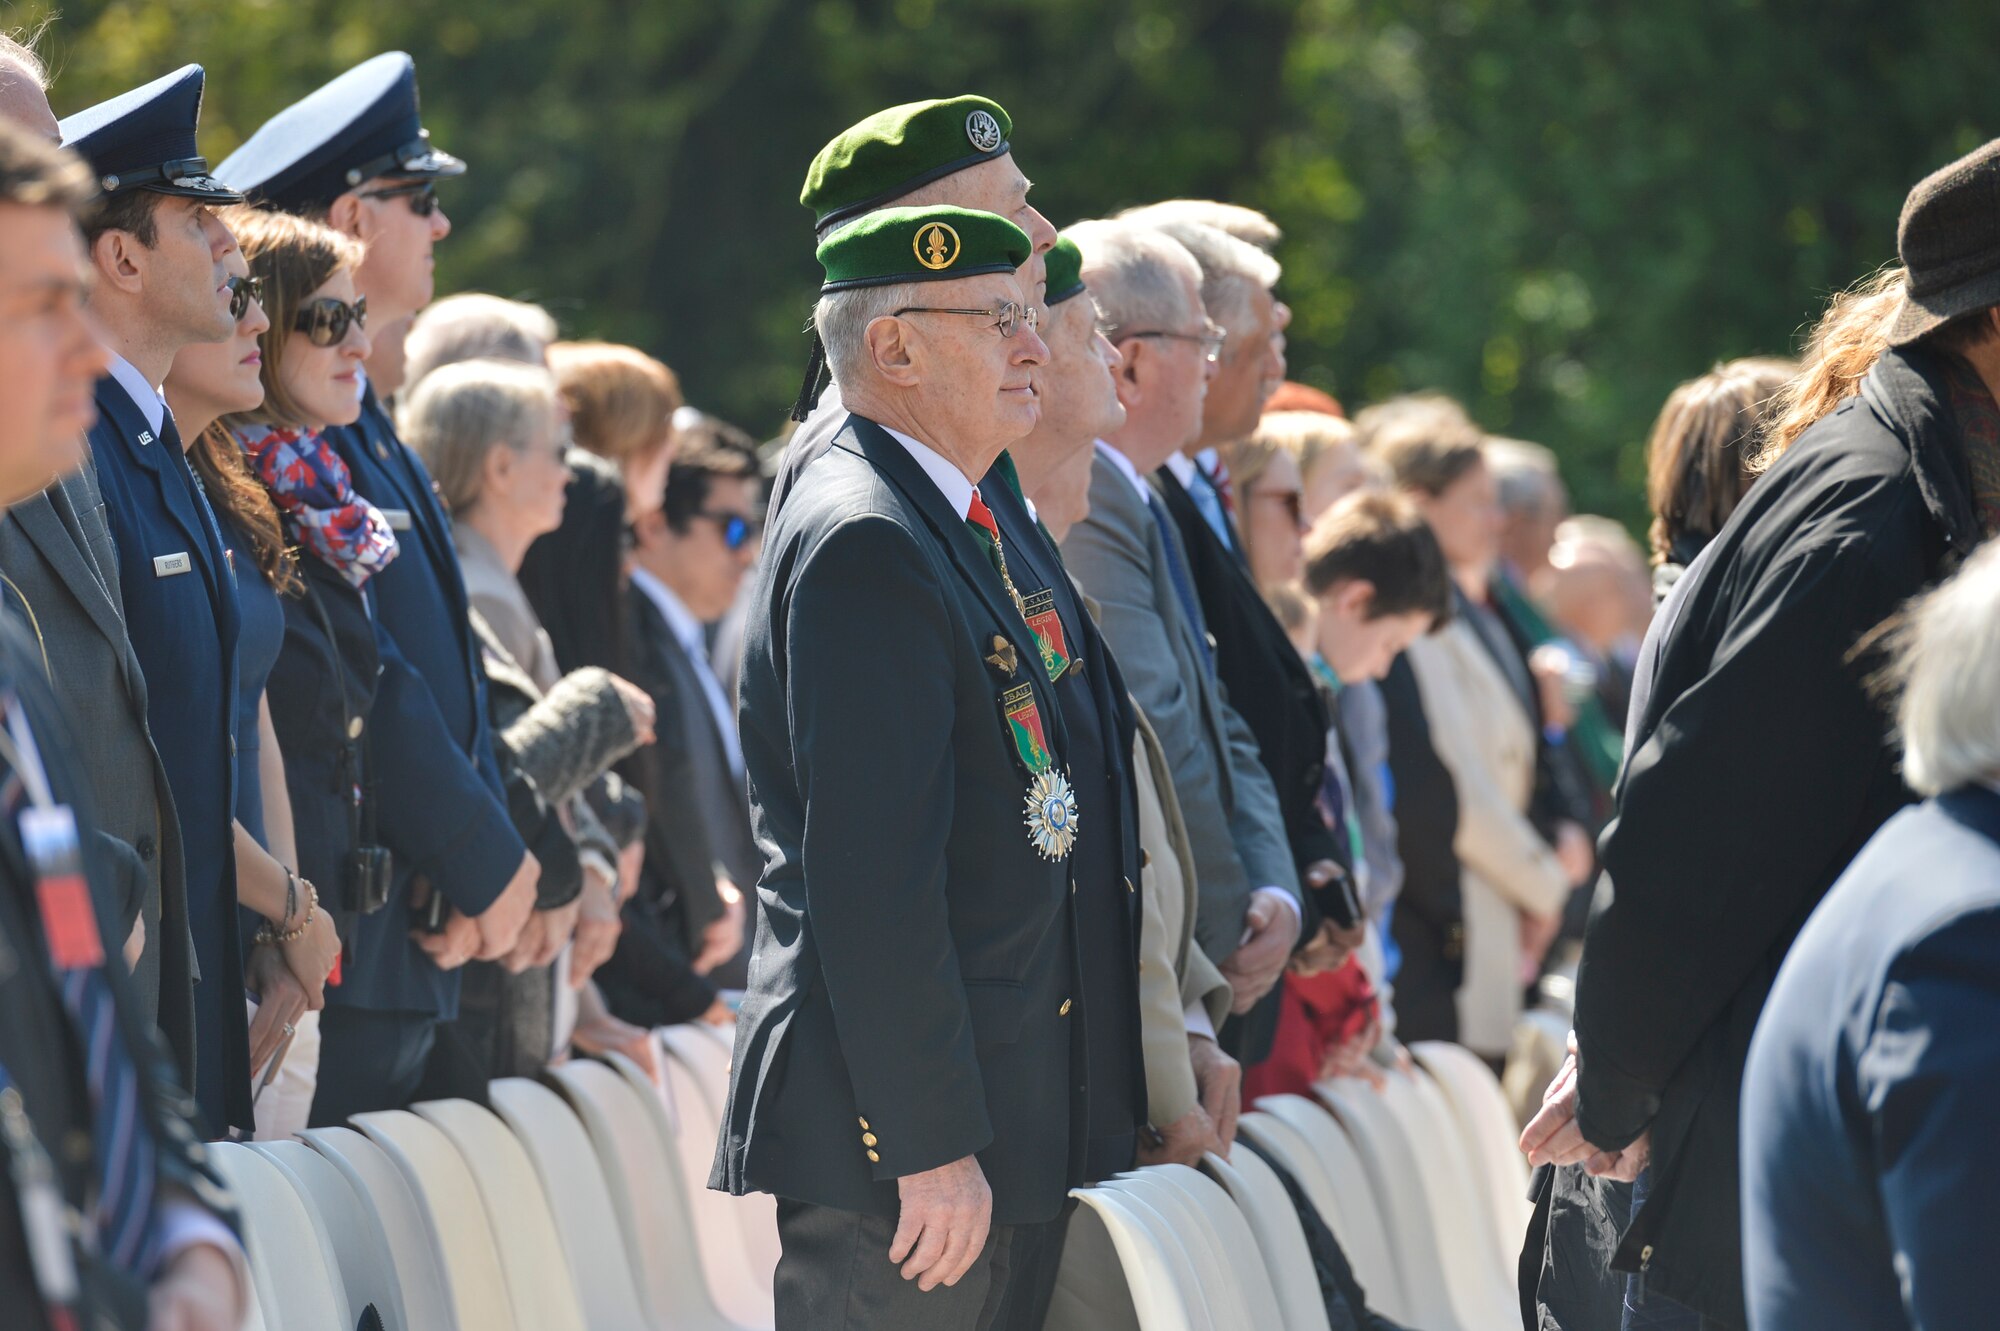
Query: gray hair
[[1944, 662], [463, 411], [1232, 271], [1136, 275], [1527, 474], [842, 317], [1246, 224], [475, 326]]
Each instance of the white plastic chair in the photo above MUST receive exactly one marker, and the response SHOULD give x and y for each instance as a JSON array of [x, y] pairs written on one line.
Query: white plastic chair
[[642, 1170], [1468, 1176], [1473, 1264], [444, 1188], [1212, 1284], [1409, 1220], [1158, 1272], [1315, 1150], [706, 1051], [1488, 1124], [517, 1211], [1092, 1290], [362, 1259], [1241, 1262], [406, 1224], [1274, 1230], [747, 1225], [295, 1290]]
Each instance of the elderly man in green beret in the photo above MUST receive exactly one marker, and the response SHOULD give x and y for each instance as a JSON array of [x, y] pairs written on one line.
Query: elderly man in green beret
[[906, 1072]]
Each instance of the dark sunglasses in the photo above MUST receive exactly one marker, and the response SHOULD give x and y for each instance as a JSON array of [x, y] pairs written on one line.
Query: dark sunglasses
[[325, 321], [422, 197], [737, 530], [243, 290], [1292, 501]]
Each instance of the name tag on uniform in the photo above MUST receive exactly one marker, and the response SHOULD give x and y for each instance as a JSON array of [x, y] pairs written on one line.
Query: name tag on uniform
[[165, 566], [398, 518]]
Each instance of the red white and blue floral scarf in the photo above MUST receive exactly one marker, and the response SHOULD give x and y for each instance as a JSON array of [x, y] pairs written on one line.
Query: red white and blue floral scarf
[[315, 495]]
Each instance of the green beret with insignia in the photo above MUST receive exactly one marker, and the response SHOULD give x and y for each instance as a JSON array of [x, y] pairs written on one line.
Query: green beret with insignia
[[893, 152], [920, 245], [1065, 263]]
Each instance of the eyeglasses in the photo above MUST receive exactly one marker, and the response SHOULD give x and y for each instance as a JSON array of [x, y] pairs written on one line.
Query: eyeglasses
[[1008, 318], [243, 290], [1291, 500], [1211, 338], [325, 321], [422, 196], [737, 530]]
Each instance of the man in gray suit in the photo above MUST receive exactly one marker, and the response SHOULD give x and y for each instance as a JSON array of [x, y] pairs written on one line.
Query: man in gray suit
[[1128, 557], [61, 570]]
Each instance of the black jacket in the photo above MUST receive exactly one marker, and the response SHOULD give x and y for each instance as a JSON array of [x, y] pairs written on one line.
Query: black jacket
[[1428, 923], [42, 1049], [910, 996], [1761, 766], [574, 576], [1266, 679]]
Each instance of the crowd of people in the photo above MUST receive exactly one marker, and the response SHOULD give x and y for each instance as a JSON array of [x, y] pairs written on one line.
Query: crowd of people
[[1067, 730]]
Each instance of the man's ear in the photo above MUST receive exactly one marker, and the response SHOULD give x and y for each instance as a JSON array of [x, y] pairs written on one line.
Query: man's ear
[[117, 257], [1355, 598], [1127, 373], [893, 353], [346, 215]]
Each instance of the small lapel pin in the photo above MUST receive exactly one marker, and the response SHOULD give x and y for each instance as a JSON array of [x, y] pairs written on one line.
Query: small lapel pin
[[145, 437], [1003, 658]]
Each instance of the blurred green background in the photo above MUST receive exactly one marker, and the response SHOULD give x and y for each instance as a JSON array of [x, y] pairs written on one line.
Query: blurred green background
[[1554, 209]]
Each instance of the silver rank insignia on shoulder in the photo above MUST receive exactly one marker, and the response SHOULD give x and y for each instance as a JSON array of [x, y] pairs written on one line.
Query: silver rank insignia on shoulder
[[166, 566]]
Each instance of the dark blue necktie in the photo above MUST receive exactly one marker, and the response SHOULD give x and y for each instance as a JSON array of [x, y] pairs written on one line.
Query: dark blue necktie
[[123, 1149], [1178, 575]]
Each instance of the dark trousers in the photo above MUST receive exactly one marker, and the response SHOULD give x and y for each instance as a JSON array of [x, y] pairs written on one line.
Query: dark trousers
[[834, 1274], [1036, 1258], [369, 1060]]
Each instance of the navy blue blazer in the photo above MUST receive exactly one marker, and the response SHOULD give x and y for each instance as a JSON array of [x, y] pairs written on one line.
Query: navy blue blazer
[[1870, 1165], [441, 808], [179, 594]]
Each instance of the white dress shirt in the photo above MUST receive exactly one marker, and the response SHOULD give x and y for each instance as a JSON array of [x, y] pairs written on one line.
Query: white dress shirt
[[147, 397]]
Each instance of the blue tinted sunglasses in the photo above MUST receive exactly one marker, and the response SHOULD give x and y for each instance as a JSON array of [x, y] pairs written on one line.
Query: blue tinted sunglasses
[[737, 530]]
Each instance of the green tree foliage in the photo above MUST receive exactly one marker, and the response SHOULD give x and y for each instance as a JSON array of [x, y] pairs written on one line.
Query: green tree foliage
[[1555, 209]]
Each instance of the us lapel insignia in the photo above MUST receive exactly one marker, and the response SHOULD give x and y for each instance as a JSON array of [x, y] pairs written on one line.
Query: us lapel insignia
[[1003, 657], [1050, 804], [1039, 609]]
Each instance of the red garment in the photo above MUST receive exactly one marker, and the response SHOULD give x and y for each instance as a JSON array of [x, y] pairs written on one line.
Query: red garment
[[1316, 1013]]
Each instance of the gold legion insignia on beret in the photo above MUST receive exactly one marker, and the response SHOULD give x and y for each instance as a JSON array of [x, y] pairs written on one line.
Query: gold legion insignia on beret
[[937, 246], [982, 131]]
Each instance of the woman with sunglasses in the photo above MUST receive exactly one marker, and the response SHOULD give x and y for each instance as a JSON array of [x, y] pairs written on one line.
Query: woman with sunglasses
[[303, 547]]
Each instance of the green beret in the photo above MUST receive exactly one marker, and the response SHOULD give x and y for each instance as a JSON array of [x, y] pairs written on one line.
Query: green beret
[[920, 245], [893, 152], [1065, 263]]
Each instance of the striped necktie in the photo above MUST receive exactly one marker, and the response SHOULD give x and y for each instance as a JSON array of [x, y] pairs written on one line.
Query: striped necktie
[[123, 1150]]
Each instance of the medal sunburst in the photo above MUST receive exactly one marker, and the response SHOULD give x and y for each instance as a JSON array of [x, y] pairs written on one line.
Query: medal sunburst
[[1051, 815]]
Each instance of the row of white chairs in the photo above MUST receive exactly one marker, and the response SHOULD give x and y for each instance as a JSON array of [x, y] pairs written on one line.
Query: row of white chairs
[[582, 1206], [1420, 1184], [579, 1205]]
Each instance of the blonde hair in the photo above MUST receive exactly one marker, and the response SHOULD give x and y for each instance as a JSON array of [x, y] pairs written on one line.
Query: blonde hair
[[1700, 458], [462, 412], [621, 401], [1425, 440], [1839, 352], [473, 325], [1306, 435]]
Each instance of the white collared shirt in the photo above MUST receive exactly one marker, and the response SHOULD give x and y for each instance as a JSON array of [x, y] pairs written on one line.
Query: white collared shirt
[[944, 473], [1125, 467], [687, 631], [146, 397], [1182, 466]]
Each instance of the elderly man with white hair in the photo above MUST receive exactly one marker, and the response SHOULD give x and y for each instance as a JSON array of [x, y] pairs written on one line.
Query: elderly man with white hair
[[1870, 1164], [906, 1072]]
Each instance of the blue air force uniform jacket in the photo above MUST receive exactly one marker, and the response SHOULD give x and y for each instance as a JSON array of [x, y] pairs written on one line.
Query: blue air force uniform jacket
[[440, 805], [179, 596], [911, 996]]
